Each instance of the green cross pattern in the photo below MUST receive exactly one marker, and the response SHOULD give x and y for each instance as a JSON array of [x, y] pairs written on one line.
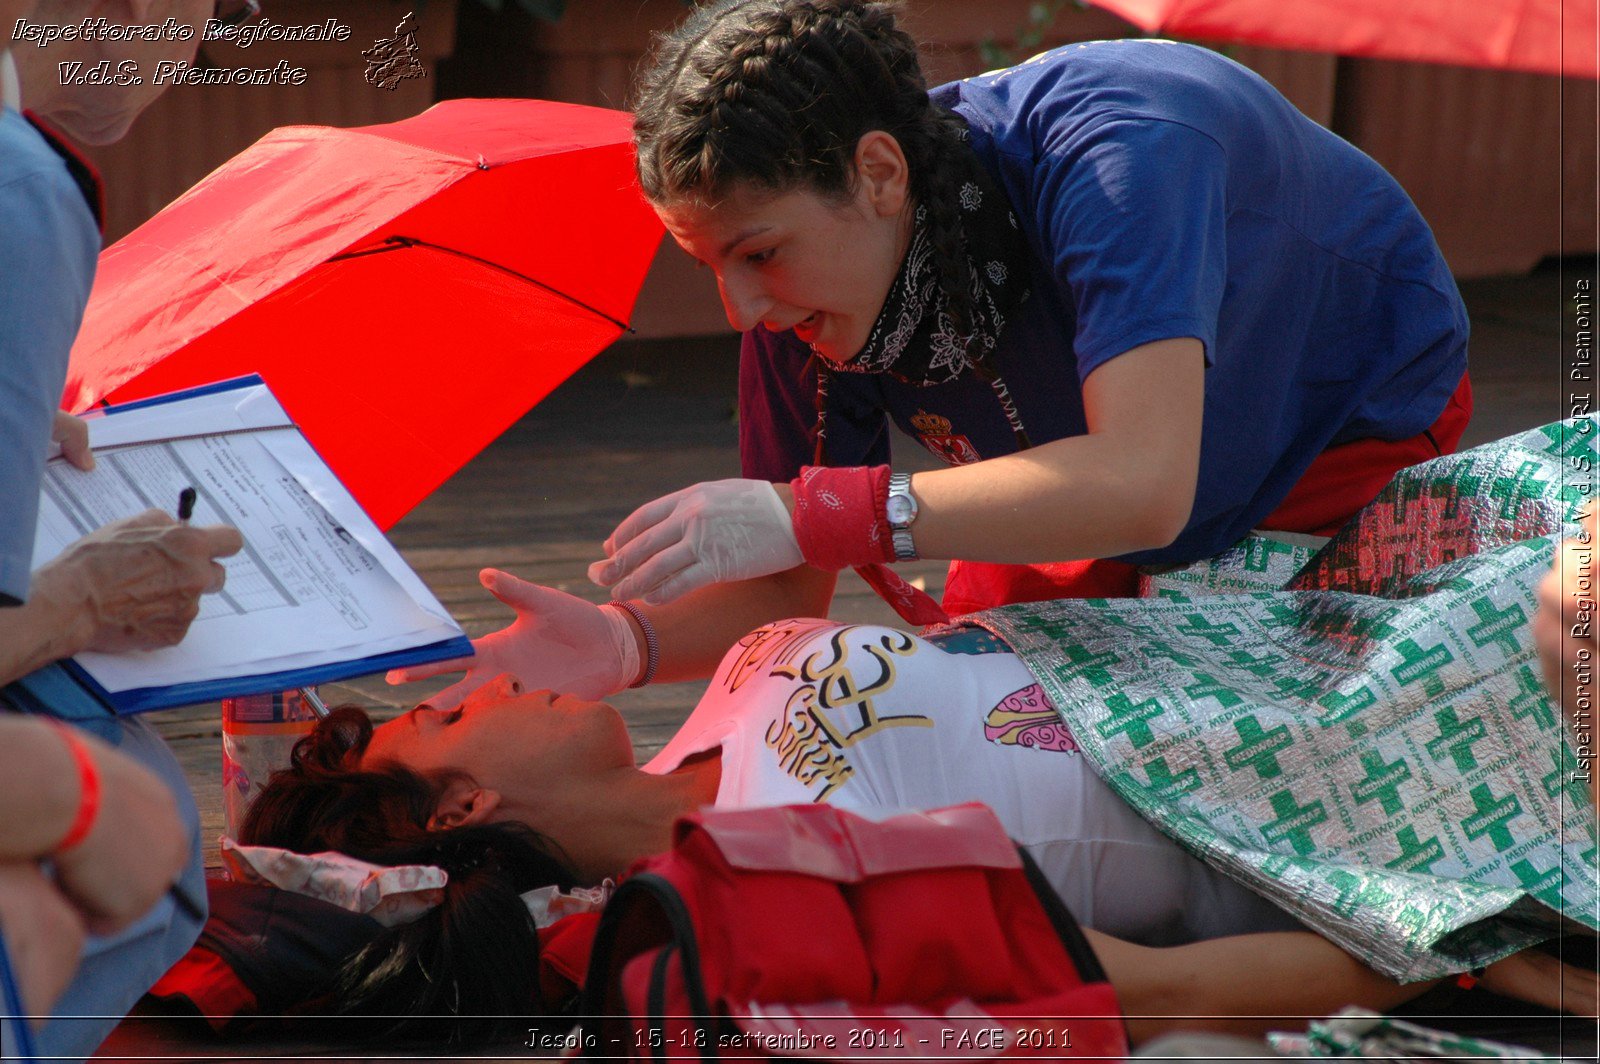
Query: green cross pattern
[[1259, 552], [1382, 782], [1513, 490], [1573, 493], [1371, 628], [1345, 705], [1419, 664], [1565, 440], [1262, 666], [1081, 661], [1354, 892], [1165, 784], [1275, 865], [1435, 672], [1208, 686], [1547, 886], [1497, 626], [1456, 738], [1409, 492], [1221, 635], [1294, 822], [1110, 619], [1160, 649], [1561, 778], [1467, 483], [1258, 749], [1491, 817], [1282, 615], [1416, 855], [1291, 685], [1131, 719], [1531, 700]]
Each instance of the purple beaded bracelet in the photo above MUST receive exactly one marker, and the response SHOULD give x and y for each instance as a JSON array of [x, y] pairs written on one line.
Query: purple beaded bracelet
[[652, 649]]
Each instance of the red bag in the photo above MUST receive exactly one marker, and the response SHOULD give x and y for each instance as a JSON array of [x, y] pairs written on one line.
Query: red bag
[[806, 930]]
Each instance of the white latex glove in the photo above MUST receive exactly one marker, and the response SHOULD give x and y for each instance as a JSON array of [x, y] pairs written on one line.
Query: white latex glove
[[706, 534], [558, 641]]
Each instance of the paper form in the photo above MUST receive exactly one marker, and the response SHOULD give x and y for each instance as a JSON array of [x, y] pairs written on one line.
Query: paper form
[[316, 582]]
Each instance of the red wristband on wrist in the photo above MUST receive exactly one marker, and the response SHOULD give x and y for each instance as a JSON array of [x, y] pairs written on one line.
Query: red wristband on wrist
[[839, 518], [88, 788]]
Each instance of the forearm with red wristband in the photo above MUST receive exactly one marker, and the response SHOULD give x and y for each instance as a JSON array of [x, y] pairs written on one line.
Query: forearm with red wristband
[[839, 516], [88, 788], [841, 521]]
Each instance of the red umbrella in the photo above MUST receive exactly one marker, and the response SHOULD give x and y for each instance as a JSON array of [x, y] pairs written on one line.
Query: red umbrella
[[1543, 36], [407, 290]]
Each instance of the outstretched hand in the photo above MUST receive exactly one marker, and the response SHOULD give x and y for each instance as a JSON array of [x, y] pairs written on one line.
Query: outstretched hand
[[709, 533], [558, 641]]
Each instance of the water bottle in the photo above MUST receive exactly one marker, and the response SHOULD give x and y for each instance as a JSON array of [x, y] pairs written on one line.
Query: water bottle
[[258, 733]]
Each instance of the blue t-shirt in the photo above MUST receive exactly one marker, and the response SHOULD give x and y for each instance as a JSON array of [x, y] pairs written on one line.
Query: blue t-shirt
[[1166, 192], [48, 247]]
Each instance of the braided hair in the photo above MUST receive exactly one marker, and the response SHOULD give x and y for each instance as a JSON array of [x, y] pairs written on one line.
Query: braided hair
[[776, 94]]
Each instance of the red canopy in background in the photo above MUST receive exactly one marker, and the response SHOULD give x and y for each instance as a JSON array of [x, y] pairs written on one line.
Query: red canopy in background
[[1543, 36], [407, 290]]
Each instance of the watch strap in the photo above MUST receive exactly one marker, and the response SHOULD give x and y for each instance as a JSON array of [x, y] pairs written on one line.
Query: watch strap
[[905, 547]]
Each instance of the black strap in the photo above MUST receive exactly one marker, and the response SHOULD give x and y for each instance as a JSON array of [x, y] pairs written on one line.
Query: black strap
[[656, 1003], [1067, 928], [605, 967]]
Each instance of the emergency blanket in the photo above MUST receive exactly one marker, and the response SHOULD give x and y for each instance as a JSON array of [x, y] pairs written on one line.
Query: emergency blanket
[[1365, 1035], [1371, 745]]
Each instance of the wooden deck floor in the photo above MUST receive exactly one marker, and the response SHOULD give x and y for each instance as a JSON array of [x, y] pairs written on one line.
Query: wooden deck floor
[[647, 418]]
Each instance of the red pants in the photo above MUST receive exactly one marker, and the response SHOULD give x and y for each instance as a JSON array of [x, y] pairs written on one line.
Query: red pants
[[1340, 481]]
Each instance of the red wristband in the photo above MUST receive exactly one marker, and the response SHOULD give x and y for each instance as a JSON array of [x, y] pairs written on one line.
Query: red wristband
[[88, 788], [839, 516]]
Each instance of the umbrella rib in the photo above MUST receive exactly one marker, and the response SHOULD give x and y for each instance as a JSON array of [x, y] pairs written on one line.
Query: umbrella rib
[[398, 243]]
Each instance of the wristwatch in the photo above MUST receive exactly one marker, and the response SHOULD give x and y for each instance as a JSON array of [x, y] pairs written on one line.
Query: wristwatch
[[901, 510]]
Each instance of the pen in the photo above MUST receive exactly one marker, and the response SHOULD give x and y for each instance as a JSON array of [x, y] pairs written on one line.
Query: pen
[[186, 499]]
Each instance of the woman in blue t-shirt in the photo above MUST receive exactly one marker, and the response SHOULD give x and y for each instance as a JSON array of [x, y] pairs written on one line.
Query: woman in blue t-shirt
[[1138, 302]]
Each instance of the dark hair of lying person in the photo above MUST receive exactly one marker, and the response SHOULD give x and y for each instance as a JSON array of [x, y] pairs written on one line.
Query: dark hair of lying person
[[468, 968]]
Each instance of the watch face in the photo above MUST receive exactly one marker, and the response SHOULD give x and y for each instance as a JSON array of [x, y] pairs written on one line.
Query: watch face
[[900, 509]]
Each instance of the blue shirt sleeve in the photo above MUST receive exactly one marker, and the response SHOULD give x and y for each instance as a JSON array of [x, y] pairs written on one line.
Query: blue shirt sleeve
[[1133, 214], [49, 241], [778, 411]]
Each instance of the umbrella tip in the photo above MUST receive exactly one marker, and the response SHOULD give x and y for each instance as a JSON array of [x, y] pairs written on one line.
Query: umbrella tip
[[483, 164]]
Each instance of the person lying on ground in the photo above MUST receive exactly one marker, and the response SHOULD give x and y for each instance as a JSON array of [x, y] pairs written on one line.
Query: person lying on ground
[[512, 790]]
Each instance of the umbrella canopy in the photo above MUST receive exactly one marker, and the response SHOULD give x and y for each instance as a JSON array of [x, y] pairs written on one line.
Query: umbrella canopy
[[1543, 36], [407, 290]]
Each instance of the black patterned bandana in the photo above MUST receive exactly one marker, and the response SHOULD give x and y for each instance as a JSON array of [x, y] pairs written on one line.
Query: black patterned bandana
[[914, 339]]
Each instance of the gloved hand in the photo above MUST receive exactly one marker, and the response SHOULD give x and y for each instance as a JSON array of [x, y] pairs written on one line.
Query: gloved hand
[[558, 641], [706, 534]]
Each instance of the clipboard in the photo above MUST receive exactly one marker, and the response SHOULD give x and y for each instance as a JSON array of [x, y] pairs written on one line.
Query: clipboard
[[313, 559]]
